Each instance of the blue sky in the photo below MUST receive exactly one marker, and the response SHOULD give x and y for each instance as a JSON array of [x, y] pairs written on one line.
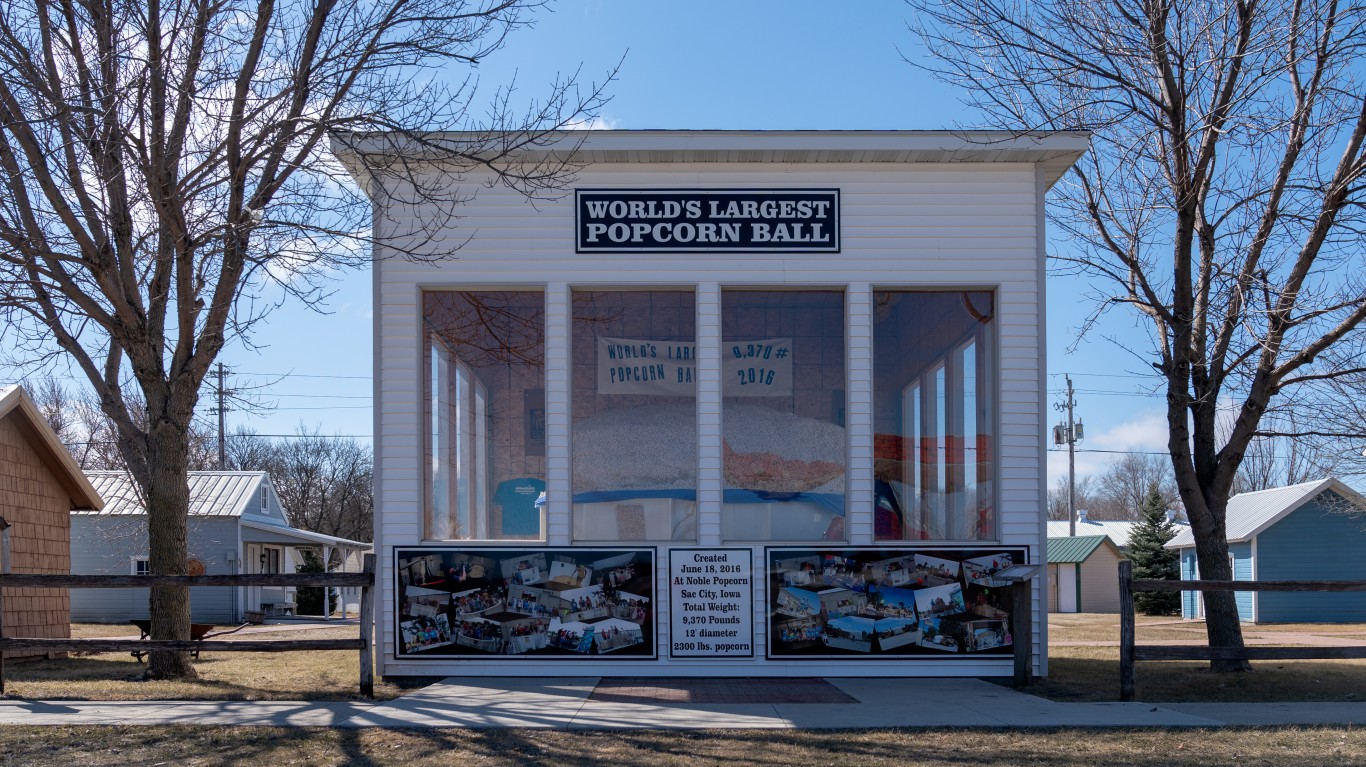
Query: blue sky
[[703, 64]]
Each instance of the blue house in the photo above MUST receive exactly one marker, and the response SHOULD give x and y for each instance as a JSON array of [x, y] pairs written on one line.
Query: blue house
[[1310, 531]]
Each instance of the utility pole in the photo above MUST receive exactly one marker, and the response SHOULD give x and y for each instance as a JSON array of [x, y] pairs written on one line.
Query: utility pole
[[222, 411], [1069, 433]]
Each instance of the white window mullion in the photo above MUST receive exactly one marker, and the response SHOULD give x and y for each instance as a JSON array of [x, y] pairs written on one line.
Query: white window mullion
[[709, 470]]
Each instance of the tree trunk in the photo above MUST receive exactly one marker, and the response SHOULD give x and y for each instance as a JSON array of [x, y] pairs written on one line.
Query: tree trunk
[[1222, 624], [168, 502]]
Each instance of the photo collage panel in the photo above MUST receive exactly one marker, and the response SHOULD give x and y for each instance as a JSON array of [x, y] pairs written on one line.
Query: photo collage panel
[[876, 602], [501, 602]]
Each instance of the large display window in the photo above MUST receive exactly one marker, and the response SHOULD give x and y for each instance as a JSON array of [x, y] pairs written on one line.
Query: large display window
[[783, 437], [634, 406], [934, 415], [485, 414]]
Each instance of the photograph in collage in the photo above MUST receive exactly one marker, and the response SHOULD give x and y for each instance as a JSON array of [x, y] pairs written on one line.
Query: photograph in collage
[[877, 602], [502, 602]]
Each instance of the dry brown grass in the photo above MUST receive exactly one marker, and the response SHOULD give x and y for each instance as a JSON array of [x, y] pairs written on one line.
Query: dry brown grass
[[214, 746], [95, 630], [1101, 627], [1076, 673], [1091, 672], [325, 675]]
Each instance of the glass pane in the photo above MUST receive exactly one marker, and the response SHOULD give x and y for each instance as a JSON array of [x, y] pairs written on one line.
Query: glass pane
[[634, 415], [485, 457], [933, 415], [784, 446]]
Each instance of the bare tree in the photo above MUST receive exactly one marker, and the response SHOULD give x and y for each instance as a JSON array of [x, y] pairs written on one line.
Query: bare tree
[[1275, 461], [164, 183], [1057, 496], [324, 483], [92, 437], [1222, 198], [1125, 485]]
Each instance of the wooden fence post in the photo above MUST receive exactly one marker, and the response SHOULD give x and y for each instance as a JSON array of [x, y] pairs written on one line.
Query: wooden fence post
[[1022, 630], [1126, 630], [367, 629]]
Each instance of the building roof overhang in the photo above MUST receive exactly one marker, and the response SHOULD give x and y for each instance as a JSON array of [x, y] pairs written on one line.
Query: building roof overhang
[[265, 532], [366, 153]]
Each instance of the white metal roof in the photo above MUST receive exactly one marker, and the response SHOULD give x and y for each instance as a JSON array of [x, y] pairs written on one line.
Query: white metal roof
[[1251, 513], [1117, 530], [212, 493], [265, 532]]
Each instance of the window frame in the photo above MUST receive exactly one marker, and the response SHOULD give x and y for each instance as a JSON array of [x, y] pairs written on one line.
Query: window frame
[[481, 498], [846, 520], [986, 340]]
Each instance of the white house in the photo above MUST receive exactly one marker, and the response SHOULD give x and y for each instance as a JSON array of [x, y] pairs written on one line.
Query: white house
[[774, 398], [236, 525]]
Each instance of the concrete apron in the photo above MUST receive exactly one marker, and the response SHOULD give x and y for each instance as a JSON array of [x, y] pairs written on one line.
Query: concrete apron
[[565, 703]]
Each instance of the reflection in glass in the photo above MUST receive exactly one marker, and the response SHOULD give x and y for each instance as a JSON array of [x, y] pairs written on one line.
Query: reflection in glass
[[484, 355], [784, 445], [634, 405], [933, 415]]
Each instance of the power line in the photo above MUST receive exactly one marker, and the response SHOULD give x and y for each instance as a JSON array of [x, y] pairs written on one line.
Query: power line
[[306, 436], [323, 396], [325, 407], [1102, 375], [308, 375], [1102, 393], [1118, 452]]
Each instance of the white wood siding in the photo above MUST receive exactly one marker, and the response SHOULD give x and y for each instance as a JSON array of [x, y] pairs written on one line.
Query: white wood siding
[[923, 225], [1100, 581], [106, 545]]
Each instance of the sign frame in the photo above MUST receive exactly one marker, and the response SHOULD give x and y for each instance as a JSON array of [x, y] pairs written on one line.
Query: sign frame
[[648, 648], [866, 556], [746, 615], [830, 196]]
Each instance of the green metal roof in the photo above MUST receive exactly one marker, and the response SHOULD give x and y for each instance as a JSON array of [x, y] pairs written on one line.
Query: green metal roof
[[1072, 550]]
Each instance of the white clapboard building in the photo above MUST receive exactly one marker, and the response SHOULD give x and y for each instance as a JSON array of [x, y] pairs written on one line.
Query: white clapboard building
[[729, 403]]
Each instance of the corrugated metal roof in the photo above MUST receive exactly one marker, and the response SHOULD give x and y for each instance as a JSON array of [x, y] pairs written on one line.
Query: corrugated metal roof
[[212, 493], [1070, 550], [1118, 530], [268, 533], [1250, 513]]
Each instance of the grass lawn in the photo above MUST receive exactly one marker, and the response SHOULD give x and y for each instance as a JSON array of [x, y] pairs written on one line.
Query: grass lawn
[[1091, 672], [1077, 672], [212, 746], [318, 675]]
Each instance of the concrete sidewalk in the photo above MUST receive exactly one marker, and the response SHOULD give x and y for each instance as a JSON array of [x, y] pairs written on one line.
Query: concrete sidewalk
[[565, 703]]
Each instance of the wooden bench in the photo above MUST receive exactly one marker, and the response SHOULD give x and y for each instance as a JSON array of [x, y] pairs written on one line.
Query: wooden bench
[[197, 632]]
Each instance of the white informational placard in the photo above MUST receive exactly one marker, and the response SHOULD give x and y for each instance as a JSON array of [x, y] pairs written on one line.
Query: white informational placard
[[759, 368], [711, 603]]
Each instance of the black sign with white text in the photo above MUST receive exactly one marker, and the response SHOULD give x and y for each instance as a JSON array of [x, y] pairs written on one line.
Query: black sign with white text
[[707, 220]]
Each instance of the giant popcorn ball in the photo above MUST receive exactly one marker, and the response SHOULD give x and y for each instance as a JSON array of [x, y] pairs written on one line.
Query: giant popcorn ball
[[654, 447]]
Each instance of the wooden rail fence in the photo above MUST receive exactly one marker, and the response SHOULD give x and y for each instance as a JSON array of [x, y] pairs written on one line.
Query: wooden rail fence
[[364, 643], [1129, 653]]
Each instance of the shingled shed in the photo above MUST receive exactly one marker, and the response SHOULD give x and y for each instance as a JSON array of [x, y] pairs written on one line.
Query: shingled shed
[[40, 484]]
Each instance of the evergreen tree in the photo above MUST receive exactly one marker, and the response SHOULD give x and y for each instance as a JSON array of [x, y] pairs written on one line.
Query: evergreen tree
[[1151, 560]]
